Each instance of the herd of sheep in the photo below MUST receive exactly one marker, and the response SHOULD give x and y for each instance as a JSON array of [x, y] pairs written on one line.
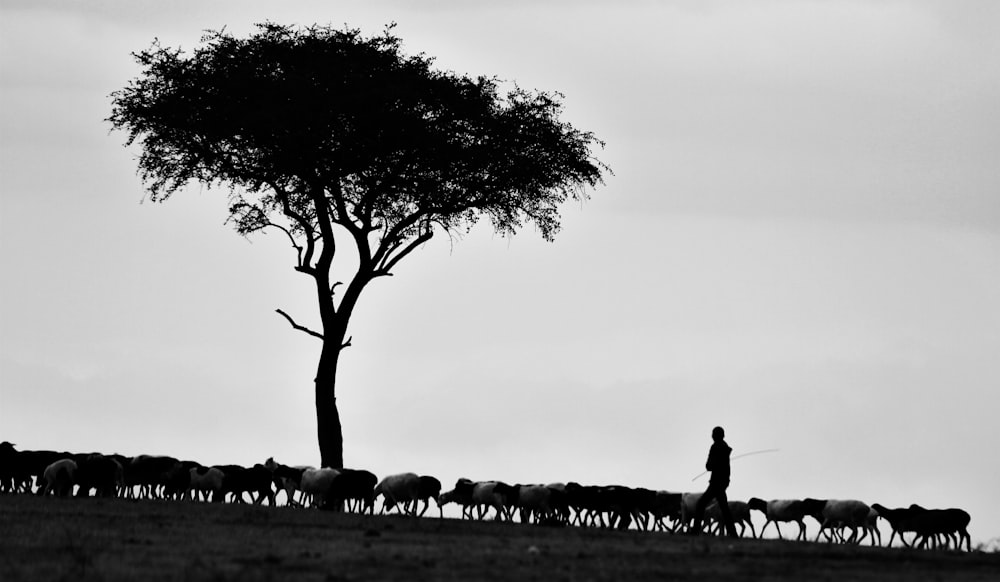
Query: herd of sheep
[[164, 477]]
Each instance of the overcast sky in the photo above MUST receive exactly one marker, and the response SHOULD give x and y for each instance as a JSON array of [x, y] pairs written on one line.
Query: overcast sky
[[800, 242]]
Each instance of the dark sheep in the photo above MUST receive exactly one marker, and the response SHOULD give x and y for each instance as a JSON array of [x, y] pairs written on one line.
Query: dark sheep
[[101, 473]]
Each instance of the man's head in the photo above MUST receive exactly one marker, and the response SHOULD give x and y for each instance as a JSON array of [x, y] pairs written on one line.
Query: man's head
[[718, 433]]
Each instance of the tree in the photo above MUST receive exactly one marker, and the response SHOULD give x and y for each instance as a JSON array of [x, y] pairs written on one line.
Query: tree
[[347, 145]]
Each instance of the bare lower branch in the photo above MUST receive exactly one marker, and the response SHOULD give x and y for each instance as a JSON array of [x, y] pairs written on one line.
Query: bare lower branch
[[301, 328], [347, 343]]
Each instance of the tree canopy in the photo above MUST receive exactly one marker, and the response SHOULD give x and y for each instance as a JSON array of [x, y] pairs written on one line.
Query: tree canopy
[[331, 136]]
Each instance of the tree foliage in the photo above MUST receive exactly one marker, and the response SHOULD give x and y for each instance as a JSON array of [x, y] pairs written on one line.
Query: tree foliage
[[331, 136]]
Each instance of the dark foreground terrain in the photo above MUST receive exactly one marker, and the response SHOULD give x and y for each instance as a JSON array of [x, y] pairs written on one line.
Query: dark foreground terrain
[[96, 539]]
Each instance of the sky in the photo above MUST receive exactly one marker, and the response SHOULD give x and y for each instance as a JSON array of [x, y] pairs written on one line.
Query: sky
[[800, 242]]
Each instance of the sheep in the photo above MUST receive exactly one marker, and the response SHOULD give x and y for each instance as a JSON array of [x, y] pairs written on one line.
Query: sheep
[[315, 483], [780, 510], [623, 505], [460, 495], [588, 502], [32, 465], [353, 485], [15, 471], [900, 520], [428, 488], [176, 481], [643, 503], [59, 478], [149, 473], [667, 505], [401, 489], [256, 481], [831, 513], [532, 500], [870, 527], [206, 483], [485, 496], [689, 505], [930, 523], [100, 472], [740, 511], [287, 479], [559, 503]]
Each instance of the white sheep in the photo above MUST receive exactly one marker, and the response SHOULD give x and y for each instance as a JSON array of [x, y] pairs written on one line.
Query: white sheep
[[399, 489], [316, 483], [533, 500], [739, 510], [838, 513], [780, 510], [484, 496], [60, 477], [689, 505]]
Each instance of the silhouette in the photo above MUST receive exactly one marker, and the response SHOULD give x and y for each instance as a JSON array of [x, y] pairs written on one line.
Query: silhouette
[[362, 147], [718, 465]]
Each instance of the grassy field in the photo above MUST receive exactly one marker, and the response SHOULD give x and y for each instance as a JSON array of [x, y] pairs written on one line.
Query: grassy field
[[96, 539]]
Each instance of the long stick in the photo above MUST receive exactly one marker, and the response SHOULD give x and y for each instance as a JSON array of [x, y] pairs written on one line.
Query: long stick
[[739, 457]]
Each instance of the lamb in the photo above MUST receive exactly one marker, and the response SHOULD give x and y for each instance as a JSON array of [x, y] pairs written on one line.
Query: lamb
[[831, 513], [780, 510], [401, 489]]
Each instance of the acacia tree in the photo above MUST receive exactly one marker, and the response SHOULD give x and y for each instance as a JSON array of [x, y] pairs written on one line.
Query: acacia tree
[[347, 145]]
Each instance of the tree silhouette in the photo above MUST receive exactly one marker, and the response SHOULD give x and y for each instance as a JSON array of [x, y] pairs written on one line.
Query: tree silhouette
[[347, 145]]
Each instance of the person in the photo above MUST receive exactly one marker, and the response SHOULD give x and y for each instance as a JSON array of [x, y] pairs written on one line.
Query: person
[[718, 465]]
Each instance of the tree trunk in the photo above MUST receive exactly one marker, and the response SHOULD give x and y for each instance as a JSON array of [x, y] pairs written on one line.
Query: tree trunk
[[328, 428]]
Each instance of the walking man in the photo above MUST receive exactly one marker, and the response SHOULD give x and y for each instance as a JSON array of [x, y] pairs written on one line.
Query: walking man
[[718, 464]]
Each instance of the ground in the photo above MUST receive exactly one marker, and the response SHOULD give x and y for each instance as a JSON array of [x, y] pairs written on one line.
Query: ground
[[115, 539]]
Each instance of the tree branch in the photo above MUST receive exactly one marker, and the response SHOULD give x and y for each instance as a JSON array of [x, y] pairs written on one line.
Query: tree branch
[[388, 261], [301, 328], [305, 262], [298, 247]]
